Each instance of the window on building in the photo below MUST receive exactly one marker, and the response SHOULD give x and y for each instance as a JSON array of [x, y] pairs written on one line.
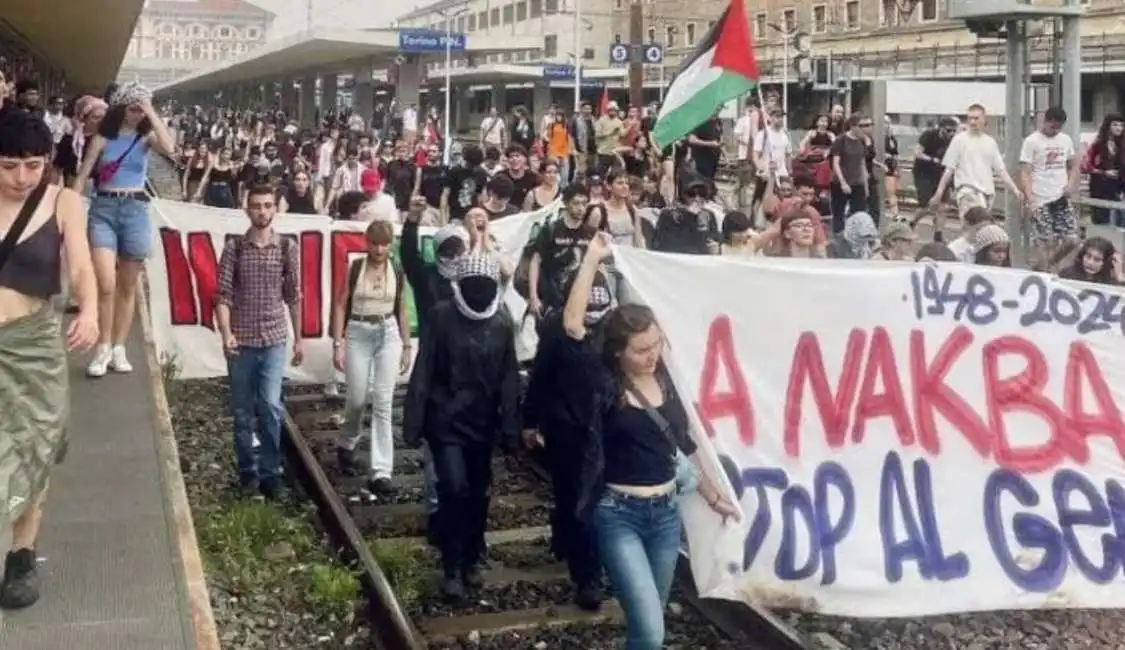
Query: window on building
[[482, 20], [551, 6], [651, 34], [789, 20], [617, 39], [224, 32], [588, 54], [461, 25], [760, 26], [670, 36], [550, 46], [851, 14], [689, 34], [618, 4], [509, 14], [473, 23], [494, 18], [253, 33], [888, 13], [521, 11], [928, 10], [536, 8], [819, 19]]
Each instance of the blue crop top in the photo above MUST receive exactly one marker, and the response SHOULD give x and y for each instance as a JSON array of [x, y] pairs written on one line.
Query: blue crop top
[[134, 167]]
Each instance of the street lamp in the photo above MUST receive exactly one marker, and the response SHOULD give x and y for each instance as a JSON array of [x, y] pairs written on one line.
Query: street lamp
[[449, 15], [788, 32]]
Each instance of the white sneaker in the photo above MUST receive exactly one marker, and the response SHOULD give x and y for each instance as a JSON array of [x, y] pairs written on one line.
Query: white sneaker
[[119, 362], [103, 355]]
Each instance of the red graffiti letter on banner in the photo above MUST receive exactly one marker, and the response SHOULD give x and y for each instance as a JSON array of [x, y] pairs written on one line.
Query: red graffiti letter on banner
[[881, 369], [734, 402], [933, 395], [193, 277], [807, 369], [1082, 370]]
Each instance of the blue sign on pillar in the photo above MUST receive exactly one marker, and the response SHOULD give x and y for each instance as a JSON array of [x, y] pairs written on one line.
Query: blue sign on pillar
[[420, 41]]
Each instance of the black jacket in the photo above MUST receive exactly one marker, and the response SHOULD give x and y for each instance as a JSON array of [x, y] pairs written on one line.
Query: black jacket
[[559, 401], [427, 284], [465, 387]]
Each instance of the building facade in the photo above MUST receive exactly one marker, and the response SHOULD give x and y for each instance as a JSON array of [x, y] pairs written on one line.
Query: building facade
[[174, 38], [556, 21]]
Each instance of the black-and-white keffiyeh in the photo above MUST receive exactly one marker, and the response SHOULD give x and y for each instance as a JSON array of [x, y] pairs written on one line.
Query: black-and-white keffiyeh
[[447, 267], [599, 304], [130, 93], [476, 266]]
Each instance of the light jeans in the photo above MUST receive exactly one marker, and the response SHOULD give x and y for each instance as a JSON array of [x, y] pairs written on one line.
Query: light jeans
[[373, 354]]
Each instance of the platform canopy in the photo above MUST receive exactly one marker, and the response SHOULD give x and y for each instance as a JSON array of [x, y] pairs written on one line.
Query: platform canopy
[[326, 51], [86, 40], [493, 73]]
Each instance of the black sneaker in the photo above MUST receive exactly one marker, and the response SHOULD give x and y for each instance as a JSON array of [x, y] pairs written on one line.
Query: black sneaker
[[271, 490], [347, 461], [20, 588], [248, 489], [380, 486], [472, 577], [452, 588], [589, 597], [432, 530]]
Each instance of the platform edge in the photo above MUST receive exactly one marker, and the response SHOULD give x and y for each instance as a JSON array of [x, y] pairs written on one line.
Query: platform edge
[[202, 632]]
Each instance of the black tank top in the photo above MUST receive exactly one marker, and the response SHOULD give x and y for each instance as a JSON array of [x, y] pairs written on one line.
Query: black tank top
[[34, 267], [300, 204], [221, 176]]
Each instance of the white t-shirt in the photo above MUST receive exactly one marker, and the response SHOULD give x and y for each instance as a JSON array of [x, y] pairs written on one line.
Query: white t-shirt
[[962, 249], [974, 159], [777, 154], [1049, 159], [744, 133], [492, 131], [324, 159], [409, 119]]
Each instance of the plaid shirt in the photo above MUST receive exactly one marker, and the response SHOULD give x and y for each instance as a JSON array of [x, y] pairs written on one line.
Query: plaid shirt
[[257, 283]]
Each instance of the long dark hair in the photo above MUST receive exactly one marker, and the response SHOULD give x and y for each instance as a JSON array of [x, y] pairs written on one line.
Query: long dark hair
[[1105, 274], [1101, 142], [115, 118], [621, 325]]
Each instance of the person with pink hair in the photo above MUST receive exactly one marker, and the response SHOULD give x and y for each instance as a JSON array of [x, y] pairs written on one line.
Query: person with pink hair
[[89, 111]]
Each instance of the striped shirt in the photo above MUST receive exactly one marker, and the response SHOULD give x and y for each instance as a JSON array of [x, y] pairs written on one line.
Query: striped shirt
[[257, 283]]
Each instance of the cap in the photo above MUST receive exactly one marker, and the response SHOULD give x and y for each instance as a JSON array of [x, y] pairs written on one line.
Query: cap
[[989, 235], [370, 180]]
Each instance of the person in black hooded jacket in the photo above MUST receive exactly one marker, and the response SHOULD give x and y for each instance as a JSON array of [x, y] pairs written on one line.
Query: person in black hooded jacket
[[559, 415], [431, 282], [464, 398]]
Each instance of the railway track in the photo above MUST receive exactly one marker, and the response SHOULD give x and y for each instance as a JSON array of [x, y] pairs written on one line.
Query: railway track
[[526, 599]]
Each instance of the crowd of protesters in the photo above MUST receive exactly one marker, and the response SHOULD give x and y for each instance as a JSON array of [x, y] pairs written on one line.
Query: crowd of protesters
[[598, 402]]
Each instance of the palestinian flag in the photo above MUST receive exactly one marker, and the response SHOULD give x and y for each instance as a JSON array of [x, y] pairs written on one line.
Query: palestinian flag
[[720, 69]]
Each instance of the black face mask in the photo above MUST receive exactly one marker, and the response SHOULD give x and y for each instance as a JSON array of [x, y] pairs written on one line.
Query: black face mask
[[479, 292]]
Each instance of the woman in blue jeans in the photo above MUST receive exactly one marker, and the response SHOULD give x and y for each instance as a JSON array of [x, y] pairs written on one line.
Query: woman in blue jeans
[[119, 229], [630, 469]]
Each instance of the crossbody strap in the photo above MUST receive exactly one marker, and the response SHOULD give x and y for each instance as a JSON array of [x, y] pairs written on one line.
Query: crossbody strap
[[653, 412], [20, 224]]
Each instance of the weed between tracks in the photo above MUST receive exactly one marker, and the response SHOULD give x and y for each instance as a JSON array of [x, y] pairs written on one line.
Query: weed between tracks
[[273, 581]]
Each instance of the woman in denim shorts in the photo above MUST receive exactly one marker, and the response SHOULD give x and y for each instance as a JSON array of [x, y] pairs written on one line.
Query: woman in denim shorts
[[119, 229]]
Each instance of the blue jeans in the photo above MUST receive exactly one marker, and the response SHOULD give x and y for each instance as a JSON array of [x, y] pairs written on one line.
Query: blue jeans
[[639, 543], [120, 224], [255, 390]]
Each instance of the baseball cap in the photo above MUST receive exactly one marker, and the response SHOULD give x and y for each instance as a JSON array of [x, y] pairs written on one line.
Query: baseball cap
[[370, 180]]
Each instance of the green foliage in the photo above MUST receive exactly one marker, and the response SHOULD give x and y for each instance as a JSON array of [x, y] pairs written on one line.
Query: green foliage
[[240, 543], [333, 589], [405, 568]]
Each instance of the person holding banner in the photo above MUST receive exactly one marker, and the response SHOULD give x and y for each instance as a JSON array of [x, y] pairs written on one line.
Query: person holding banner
[[630, 474], [38, 221]]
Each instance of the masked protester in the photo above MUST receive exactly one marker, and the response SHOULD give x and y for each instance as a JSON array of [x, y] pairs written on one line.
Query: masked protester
[[688, 227], [463, 399], [559, 414]]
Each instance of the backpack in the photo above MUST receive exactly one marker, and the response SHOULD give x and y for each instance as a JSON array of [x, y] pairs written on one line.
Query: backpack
[[354, 269]]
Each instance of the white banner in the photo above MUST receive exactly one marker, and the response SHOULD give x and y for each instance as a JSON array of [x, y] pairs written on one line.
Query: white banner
[[183, 277], [903, 440]]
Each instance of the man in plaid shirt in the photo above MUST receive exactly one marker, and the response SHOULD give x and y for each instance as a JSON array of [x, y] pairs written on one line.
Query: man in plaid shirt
[[259, 282]]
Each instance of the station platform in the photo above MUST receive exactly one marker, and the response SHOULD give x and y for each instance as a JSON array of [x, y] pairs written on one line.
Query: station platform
[[109, 556]]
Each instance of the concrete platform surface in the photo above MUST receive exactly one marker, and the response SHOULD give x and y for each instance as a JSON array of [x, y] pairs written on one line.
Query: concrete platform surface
[[109, 562]]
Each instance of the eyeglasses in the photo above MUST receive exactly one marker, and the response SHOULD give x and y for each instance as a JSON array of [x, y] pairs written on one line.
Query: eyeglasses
[[867, 125], [801, 225]]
